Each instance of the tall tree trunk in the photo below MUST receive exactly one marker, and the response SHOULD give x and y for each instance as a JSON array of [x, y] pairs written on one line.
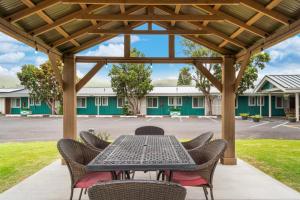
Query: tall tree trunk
[[208, 99]]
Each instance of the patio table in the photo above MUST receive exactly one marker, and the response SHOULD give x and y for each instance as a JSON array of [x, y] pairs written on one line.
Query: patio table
[[143, 153]]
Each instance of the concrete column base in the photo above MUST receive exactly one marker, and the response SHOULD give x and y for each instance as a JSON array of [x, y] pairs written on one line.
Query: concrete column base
[[229, 161]]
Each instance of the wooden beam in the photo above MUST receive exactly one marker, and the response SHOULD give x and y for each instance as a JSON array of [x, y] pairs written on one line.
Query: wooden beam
[[89, 75], [95, 59], [150, 12], [270, 13], [30, 11], [216, 7], [279, 36], [208, 29], [63, 20], [252, 20], [69, 98], [177, 10], [243, 68], [24, 37], [122, 9], [58, 75], [171, 46], [127, 45], [123, 17], [90, 28], [127, 31], [156, 2], [209, 76], [234, 21], [228, 110]]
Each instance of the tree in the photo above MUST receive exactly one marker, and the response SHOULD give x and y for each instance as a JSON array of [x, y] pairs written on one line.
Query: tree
[[257, 62], [42, 84], [132, 82], [185, 77]]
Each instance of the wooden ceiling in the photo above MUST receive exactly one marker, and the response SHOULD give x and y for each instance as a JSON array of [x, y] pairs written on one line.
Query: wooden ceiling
[[230, 27]]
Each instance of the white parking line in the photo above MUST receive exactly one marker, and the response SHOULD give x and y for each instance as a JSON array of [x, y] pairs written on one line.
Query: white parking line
[[149, 119], [278, 125], [259, 124]]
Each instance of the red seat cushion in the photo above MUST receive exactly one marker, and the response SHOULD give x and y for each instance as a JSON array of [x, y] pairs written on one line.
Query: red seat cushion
[[185, 178], [92, 178]]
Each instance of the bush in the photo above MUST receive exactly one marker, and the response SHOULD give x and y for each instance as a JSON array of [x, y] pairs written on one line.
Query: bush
[[175, 109], [244, 114]]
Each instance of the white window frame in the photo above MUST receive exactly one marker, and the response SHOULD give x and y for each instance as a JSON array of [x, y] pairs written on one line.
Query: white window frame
[[84, 100], [152, 102], [104, 104], [258, 101], [37, 103], [198, 97], [175, 102], [14, 106], [249, 102], [118, 102], [30, 101], [276, 102], [99, 101]]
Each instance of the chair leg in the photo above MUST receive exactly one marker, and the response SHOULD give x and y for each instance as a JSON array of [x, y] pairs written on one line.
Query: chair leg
[[211, 193], [205, 192], [72, 191], [158, 175], [85, 191], [80, 193]]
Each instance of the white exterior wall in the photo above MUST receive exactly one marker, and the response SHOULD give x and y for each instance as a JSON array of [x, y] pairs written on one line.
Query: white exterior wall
[[2, 105], [216, 105], [143, 108]]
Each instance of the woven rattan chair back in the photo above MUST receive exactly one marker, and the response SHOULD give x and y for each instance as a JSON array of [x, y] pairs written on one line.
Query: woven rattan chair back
[[137, 190], [199, 141], [149, 130], [93, 141]]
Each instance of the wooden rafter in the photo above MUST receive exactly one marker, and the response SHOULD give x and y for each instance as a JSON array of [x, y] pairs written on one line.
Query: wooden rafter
[[243, 68], [124, 17], [252, 20], [177, 10], [122, 9], [30, 11], [47, 19], [89, 75], [95, 59], [233, 20], [208, 29], [156, 2], [53, 59], [127, 31], [209, 76], [90, 28], [216, 7], [64, 20]]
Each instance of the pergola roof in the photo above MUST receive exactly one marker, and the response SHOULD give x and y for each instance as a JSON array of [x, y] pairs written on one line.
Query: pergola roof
[[230, 27]]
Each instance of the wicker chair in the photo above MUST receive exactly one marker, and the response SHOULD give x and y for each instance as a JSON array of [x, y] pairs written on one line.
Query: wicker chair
[[149, 130], [77, 156], [137, 190], [207, 158], [199, 141], [93, 141]]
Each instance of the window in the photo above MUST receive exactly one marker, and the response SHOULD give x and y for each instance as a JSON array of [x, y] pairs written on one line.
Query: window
[[120, 102], [262, 103], [104, 101], [31, 101], [152, 102], [81, 102], [37, 102], [15, 102], [252, 101], [98, 101], [198, 102], [175, 101], [279, 102]]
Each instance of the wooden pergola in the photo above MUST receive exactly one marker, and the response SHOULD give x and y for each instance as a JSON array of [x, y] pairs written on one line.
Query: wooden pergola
[[234, 28]]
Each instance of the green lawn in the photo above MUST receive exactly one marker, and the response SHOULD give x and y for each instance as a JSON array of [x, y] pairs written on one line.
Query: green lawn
[[278, 158], [20, 160]]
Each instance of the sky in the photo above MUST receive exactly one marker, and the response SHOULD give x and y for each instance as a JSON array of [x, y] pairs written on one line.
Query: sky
[[285, 57]]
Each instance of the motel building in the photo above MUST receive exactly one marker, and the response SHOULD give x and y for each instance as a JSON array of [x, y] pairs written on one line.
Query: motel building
[[275, 95]]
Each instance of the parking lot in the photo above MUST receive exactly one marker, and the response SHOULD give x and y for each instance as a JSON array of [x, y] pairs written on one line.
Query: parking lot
[[36, 129]]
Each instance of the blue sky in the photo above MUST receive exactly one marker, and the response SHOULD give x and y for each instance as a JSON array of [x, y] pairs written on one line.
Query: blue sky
[[13, 54]]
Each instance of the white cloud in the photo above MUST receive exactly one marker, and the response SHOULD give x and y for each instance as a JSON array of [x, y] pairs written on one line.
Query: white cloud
[[40, 60], [13, 57], [9, 72], [110, 49], [120, 39]]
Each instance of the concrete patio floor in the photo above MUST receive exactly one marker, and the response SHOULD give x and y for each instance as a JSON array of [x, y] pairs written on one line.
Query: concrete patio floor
[[231, 182]]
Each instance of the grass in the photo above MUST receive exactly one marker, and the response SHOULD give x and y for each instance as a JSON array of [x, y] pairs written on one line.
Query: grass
[[278, 158], [20, 160]]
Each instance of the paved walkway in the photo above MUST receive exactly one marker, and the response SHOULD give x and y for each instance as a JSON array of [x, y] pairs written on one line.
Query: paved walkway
[[231, 182]]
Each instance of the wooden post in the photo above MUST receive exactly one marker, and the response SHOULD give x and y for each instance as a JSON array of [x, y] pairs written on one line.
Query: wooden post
[[270, 105], [69, 97], [228, 109], [171, 46], [126, 46], [260, 105]]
